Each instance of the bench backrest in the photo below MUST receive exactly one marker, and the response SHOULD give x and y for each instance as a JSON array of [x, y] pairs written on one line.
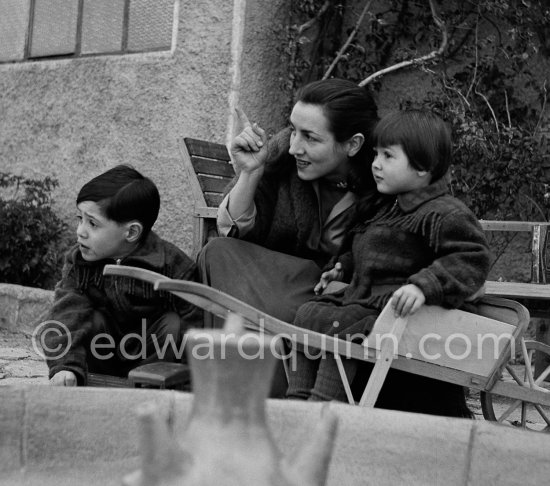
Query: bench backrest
[[540, 264], [209, 171]]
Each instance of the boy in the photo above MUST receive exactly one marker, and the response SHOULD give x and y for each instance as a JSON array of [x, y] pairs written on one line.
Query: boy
[[110, 324]]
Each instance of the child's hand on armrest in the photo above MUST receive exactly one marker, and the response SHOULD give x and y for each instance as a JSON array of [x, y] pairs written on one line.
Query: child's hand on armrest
[[407, 300], [335, 273], [63, 378]]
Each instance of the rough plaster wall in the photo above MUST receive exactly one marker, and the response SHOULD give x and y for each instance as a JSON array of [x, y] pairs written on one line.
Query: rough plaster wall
[[264, 64], [72, 119]]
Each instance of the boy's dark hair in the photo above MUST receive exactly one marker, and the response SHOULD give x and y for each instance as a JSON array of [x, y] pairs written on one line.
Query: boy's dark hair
[[123, 194], [424, 137]]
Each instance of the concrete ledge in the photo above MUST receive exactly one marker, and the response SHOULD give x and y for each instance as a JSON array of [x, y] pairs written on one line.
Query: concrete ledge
[[22, 308], [89, 436]]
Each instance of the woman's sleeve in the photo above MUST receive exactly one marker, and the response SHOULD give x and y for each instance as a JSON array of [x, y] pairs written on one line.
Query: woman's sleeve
[[238, 227], [255, 223], [462, 261]]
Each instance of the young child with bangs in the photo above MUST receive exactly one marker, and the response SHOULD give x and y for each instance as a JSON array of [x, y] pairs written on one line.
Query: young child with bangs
[[111, 324], [423, 246]]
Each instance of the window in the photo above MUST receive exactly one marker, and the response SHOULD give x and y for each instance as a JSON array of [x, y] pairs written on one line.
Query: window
[[43, 29]]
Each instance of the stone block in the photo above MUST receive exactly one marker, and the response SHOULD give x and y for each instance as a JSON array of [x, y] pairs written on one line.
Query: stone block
[[385, 447], [506, 456], [12, 413], [84, 424], [291, 423], [183, 403], [23, 308]]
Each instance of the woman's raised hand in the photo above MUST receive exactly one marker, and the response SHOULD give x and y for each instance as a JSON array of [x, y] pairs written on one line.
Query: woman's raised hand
[[248, 148]]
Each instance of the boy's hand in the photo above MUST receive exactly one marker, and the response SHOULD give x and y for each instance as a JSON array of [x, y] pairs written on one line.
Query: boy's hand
[[407, 300], [334, 274], [63, 378]]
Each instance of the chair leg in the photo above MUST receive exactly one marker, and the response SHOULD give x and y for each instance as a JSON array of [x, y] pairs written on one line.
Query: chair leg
[[383, 364], [344, 378]]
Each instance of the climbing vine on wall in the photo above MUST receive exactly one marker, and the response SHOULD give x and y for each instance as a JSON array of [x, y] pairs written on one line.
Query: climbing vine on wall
[[479, 56]]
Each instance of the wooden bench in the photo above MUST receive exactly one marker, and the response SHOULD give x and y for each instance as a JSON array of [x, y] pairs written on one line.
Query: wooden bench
[[535, 295], [209, 170]]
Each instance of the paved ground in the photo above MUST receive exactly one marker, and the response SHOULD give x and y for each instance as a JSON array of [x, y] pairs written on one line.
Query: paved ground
[[20, 364]]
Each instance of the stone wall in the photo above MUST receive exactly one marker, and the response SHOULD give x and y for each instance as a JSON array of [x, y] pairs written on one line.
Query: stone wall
[[23, 308], [74, 118], [53, 436]]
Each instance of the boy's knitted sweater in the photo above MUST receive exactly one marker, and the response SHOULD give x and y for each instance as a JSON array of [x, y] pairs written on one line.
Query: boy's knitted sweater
[[124, 301], [427, 238]]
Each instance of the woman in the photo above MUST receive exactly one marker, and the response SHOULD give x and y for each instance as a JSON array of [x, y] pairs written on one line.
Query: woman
[[293, 198]]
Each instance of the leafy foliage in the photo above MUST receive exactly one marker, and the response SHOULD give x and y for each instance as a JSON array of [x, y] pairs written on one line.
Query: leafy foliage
[[32, 243], [479, 86]]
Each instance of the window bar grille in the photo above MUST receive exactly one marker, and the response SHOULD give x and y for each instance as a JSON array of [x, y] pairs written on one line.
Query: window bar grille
[[80, 15], [28, 40], [125, 25]]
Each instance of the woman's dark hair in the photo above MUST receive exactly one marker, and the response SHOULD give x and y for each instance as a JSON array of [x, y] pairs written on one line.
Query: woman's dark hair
[[124, 195], [349, 109], [424, 137]]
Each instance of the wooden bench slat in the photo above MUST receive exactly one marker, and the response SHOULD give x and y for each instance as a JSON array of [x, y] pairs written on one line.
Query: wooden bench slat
[[489, 225], [212, 199], [204, 212], [518, 290], [206, 149], [213, 184], [212, 167]]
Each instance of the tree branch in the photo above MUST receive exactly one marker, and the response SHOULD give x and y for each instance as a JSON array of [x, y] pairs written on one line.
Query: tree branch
[[311, 21], [419, 60], [348, 41], [477, 58], [490, 108], [542, 109]]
